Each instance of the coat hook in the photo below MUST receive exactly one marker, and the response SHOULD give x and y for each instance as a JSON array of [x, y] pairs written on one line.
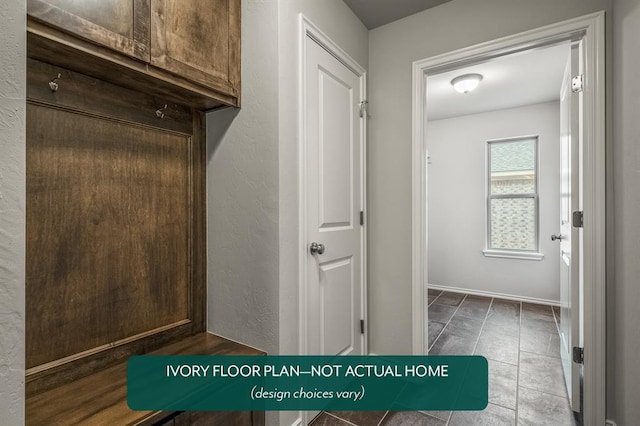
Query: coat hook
[[160, 113], [53, 84]]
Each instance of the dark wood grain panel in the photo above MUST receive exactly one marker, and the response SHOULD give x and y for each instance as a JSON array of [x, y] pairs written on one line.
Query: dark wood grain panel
[[235, 60], [214, 418], [107, 231], [197, 42], [112, 15], [142, 29], [101, 398], [198, 301], [121, 25], [259, 418]]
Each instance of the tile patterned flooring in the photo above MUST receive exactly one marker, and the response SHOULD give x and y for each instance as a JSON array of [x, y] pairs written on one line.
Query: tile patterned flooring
[[521, 342]]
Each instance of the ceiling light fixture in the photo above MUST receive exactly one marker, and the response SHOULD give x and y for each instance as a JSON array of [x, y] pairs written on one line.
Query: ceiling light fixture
[[466, 83]]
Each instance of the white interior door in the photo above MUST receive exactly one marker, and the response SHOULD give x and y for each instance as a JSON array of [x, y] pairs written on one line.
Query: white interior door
[[333, 203], [569, 237]]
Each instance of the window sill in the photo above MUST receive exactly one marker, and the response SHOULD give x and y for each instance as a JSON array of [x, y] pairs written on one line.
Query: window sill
[[513, 254]]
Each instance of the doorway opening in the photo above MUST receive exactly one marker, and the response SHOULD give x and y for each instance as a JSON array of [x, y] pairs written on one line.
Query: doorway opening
[[490, 189], [494, 178]]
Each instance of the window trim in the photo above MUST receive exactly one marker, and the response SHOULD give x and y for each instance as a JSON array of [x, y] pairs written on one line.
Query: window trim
[[489, 251]]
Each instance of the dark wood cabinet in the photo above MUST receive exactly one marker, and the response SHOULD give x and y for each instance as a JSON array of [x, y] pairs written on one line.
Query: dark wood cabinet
[[212, 418], [199, 43], [121, 25], [188, 50]]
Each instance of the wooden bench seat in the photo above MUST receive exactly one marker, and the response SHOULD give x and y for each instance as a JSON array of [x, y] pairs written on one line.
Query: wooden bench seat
[[101, 398]]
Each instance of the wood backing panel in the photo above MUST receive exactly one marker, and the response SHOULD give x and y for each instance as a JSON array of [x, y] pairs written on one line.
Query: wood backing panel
[[107, 231], [91, 95]]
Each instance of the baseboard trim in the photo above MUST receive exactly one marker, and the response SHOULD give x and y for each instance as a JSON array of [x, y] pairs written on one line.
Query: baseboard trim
[[236, 341], [492, 294]]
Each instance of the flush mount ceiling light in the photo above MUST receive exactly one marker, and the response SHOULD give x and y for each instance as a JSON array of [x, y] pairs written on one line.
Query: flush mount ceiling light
[[466, 83]]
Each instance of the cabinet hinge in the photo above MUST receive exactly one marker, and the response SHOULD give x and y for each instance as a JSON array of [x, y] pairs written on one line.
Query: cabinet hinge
[[578, 355], [364, 108], [578, 219], [361, 326], [577, 83], [361, 218]]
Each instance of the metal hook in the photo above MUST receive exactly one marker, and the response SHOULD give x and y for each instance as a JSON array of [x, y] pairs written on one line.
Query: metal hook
[[53, 84], [159, 112]]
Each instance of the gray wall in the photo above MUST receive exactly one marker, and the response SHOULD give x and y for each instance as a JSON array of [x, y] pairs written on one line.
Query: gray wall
[[339, 23], [252, 175], [392, 49], [457, 203], [12, 209], [624, 288], [252, 178], [242, 193]]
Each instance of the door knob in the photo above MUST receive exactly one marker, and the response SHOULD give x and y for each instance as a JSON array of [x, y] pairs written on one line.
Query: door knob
[[316, 248], [555, 237]]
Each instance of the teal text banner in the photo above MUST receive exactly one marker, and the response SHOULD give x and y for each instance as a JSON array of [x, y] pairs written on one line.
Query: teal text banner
[[262, 383]]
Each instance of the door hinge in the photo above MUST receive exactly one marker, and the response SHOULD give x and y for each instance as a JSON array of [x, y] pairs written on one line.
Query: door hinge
[[578, 219], [361, 218], [578, 355], [361, 326], [364, 108], [577, 84]]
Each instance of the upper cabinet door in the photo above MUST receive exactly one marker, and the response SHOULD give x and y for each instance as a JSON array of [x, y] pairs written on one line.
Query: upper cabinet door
[[121, 25], [198, 40]]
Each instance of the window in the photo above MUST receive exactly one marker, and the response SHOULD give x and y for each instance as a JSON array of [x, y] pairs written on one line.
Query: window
[[512, 198]]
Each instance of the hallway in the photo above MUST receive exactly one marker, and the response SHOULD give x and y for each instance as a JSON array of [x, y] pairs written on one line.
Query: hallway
[[521, 343]]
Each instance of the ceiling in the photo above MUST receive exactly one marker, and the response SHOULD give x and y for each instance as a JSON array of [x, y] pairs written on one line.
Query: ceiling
[[519, 79], [374, 13]]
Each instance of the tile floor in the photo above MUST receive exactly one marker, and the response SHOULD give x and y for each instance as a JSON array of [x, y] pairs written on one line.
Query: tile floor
[[521, 342]]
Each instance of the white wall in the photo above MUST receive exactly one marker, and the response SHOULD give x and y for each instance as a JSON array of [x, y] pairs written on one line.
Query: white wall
[[457, 202], [623, 294], [392, 49], [12, 210]]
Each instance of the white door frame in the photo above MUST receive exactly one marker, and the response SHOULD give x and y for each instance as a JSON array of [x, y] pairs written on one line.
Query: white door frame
[[591, 29], [308, 29]]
